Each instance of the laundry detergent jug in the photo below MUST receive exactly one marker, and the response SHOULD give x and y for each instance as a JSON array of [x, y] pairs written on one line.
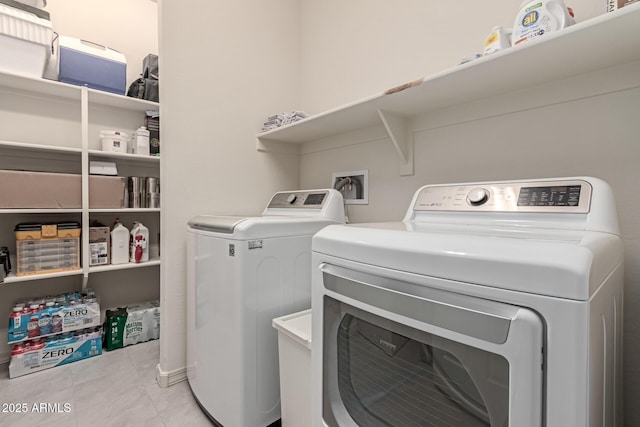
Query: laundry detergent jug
[[139, 243], [539, 17]]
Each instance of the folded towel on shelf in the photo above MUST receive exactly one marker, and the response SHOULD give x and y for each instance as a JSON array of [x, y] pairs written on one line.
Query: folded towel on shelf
[[283, 119]]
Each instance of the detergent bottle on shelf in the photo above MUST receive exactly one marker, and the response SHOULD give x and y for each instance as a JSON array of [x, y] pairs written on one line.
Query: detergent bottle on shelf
[[139, 243], [500, 38], [539, 17]]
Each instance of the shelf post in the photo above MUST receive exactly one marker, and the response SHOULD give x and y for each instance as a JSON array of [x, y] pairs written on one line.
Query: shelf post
[[84, 119]]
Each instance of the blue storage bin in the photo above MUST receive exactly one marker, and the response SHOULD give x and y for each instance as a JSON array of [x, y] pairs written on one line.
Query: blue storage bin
[[85, 63]]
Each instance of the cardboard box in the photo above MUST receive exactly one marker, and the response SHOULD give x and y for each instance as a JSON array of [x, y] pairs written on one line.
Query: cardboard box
[[56, 352], [44, 190], [153, 126], [72, 318], [613, 5], [99, 251], [106, 192]]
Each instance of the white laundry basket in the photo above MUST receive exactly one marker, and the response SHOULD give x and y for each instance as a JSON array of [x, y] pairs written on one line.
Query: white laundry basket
[[24, 40], [294, 349]]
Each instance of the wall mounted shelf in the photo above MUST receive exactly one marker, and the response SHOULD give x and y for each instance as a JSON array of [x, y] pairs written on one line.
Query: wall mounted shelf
[[605, 41]]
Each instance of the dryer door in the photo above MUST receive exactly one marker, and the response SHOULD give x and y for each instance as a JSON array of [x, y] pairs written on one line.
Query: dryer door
[[425, 357]]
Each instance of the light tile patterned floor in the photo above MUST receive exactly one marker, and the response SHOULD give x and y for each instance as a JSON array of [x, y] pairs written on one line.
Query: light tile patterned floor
[[116, 389]]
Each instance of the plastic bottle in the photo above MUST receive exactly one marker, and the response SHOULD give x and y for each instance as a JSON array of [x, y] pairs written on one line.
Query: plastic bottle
[[539, 17], [46, 327], [33, 327], [139, 243], [119, 244], [15, 319], [141, 141], [37, 345], [56, 323], [18, 349], [500, 38]]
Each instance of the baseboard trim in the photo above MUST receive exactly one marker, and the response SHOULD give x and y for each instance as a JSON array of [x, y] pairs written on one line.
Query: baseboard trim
[[5, 358], [167, 379]]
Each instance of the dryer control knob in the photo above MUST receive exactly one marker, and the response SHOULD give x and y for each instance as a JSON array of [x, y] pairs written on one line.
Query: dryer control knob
[[477, 196], [291, 198]]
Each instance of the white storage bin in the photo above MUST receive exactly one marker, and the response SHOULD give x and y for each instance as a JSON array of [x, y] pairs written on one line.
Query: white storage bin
[[294, 350], [113, 140], [24, 40]]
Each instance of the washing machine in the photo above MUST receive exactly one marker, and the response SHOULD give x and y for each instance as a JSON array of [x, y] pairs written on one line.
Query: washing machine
[[241, 273], [490, 304]]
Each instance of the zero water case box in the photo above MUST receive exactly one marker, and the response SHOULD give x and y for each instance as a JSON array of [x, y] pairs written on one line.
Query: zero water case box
[[56, 353]]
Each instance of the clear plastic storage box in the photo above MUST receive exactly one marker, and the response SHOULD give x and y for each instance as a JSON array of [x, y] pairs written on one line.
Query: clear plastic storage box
[[47, 248]]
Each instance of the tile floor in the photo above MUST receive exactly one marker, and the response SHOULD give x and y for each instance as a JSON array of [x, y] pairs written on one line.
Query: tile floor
[[117, 388]]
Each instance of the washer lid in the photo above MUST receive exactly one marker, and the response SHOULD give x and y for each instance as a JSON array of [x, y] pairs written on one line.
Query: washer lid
[[217, 224], [258, 227]]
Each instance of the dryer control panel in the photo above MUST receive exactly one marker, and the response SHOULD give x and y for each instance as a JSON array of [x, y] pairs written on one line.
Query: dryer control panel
[[570, 196], [298, 199]]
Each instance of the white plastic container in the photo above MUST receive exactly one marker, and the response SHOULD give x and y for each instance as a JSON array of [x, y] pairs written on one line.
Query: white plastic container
[[119, 244], [113, 140], [40, 4], [539, 17], [294, 352], [24, 41], [499, 39], [141, 141], [139, 243]]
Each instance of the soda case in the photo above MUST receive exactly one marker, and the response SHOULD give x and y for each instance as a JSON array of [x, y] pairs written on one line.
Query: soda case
[[40, 354], [132, 325], [53, 315]]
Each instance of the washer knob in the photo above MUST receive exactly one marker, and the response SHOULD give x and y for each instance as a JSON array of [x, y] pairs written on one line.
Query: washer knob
[[291, 198], [478, 196]]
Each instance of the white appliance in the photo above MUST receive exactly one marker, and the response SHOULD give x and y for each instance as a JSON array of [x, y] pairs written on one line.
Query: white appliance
[[241, 273], [489, 304]]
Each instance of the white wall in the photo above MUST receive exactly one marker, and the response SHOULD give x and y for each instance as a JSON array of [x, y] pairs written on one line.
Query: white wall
[[578, 130], [226, 66], [128, 26], [351, 49]]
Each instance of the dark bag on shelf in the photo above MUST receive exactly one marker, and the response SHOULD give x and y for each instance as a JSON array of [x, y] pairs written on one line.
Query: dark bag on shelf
[[150, 67], [147, 86], [144, 89]]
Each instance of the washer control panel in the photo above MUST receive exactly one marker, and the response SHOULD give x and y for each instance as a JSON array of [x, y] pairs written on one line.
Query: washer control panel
[[571, 196], [298, 200]]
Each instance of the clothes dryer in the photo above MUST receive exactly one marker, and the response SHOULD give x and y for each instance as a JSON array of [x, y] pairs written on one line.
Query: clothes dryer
[[490, 304], [242, 272]]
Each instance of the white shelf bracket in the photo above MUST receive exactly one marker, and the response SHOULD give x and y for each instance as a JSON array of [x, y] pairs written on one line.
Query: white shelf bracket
[[396, 127], [271, 146]]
